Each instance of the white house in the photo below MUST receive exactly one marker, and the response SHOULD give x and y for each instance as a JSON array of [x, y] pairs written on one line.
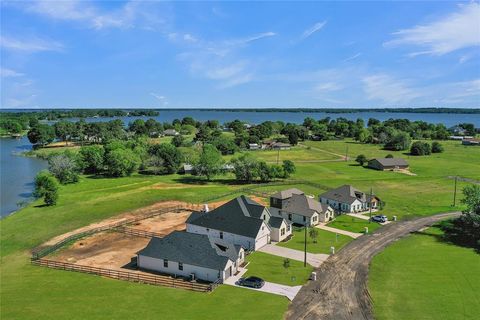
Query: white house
[[240, 221], [348, 199], [191, 255], [294, 206]]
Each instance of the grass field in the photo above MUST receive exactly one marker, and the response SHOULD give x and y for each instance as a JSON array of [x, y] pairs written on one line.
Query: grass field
[[421, 277], [353, 224], [33, 292], [270, 268], [325, 240]]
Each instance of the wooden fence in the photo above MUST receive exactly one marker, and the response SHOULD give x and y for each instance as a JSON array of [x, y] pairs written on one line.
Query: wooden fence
[[152, 279]]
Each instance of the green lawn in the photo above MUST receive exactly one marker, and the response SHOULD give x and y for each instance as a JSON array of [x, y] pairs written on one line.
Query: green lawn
[[353, 224], [421, 277], [270, 268], [33, 292], [297, 153], [325, 240]]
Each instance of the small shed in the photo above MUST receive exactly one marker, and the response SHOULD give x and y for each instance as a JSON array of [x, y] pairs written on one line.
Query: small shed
[[388, 163]]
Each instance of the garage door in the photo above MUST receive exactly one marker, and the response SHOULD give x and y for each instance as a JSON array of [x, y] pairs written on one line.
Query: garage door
[[261, 242]]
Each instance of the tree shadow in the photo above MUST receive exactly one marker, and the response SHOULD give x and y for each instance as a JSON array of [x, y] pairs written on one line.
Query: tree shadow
[[41, 205], [194, 180]]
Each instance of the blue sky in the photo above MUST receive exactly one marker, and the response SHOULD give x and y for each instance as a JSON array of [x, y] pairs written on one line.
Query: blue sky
[[239, 54]]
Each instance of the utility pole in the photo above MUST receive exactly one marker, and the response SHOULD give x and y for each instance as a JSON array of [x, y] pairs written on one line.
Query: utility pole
[[370, 205], [305, 248], [455, 192], [346, 154]]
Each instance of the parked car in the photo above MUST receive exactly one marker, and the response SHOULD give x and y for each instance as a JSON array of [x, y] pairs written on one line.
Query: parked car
[[252, 282], [379, 218]]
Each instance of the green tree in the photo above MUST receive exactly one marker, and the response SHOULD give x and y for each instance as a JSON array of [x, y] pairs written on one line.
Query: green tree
[[245, 167], [171, 156], [178, 140], [121, 162], [420, 148], [313, 233], [288, 168], [41, 134], [64, 130], [46, 186], [398, 142], [465, 230], [437, 147], [91, 159], [210, 162], [361, 159], [64, 167]]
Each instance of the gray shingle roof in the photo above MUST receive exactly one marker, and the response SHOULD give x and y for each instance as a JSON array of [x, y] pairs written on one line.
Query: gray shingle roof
[[285, 194], [275, 222], [238, 216], [303, 205], [391, 162], [345, 194], [191, 248]]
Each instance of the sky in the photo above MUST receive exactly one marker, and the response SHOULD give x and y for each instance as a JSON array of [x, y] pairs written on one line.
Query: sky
[[151, 54]]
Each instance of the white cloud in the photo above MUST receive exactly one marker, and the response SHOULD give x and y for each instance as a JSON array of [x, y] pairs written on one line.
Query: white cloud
[[162, 99], [455, 31], [316, 27], [255, 37], [131, 14], [327, 87], [9, 73], [388, 89], [30, 45], [355, 56]]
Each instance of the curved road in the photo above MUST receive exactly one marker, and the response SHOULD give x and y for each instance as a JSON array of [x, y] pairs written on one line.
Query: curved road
[[340, 291]]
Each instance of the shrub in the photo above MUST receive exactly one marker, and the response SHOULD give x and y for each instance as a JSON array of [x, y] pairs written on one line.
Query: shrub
[[420, 148], [437, 147], [361, 159]]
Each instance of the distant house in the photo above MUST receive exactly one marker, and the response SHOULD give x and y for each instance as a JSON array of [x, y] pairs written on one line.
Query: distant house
[[471, 142], [348, 199], [253, 146], [170, 132], [191, 255], [457, 130], [280, 146], [240, 221], [388, 163], [187, 169], [294, 206]]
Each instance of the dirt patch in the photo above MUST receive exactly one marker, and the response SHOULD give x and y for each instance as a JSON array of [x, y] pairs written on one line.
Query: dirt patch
[[163, 224], [405, 171]]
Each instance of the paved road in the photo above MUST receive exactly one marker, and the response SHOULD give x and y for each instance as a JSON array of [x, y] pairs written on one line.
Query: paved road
[[313, 259], [340, 291]]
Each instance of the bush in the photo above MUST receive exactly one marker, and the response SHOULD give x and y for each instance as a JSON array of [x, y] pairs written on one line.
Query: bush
[[389, 156], [46, 186], [398, 142], [437, 147], [361, 159], [420, 148]]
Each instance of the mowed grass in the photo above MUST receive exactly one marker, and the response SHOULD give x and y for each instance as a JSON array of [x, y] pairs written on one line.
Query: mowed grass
[[295, 154], [270, 268], [32, 292], [325, 240], [353, 224], [421, 277]]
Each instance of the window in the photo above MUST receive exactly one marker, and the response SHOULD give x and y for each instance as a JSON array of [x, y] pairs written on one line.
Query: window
[[221, 235], [208, 230], [288, 227], [264, 217], [290, 216], [165, 263], [304, 218], [314, 218], [282, 232], [180, 266]]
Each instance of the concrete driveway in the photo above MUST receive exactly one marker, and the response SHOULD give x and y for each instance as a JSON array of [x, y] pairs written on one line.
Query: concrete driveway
[[269, 287], [315, 260], [344, 232]]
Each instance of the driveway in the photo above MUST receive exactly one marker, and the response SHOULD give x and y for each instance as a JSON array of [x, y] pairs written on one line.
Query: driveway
[[364, 217], [339, 231], [269, 287], [315, 260]]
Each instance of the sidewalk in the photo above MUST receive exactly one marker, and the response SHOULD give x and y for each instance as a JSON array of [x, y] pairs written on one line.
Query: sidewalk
[[339, 231], [313, 259]]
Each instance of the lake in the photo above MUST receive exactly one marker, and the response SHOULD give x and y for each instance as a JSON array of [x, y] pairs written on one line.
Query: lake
[[18, 172]]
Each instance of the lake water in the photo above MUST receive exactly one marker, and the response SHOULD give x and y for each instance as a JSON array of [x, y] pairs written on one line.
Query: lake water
[[17, 172]]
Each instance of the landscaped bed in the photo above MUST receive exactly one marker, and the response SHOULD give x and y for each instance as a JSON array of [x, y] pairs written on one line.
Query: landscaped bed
[[270, 268], [325, 240], [352, 224]]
